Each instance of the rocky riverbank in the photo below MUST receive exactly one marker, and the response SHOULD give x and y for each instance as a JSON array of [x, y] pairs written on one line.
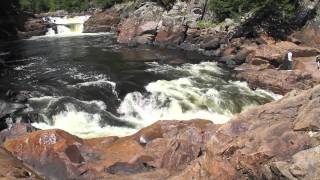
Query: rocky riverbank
[[187, 26], [273, 141], [279, 140], [16, 24]]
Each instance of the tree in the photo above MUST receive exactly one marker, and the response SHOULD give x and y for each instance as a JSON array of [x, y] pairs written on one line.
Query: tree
[[52, 5], [235, 8]]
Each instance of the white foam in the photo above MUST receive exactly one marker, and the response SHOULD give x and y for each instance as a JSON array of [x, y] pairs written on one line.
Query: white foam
[[91, 79], [199, 93], [4, 53], [196, 91], [79, 123], [67, 20], [82, 124], [66, 25], [50, 32]]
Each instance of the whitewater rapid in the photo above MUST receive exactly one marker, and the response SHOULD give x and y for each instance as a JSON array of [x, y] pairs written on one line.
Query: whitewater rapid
[[194, 91], [66, 26], [198, 91]]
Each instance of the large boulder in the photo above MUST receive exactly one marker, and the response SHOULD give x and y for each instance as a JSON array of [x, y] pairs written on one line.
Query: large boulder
[[52, 154], [33, 27], [164, 147], [278, 81], [308, 35], [173, 27], [304, 165], [269, 51], [105, 21], [141, 25]]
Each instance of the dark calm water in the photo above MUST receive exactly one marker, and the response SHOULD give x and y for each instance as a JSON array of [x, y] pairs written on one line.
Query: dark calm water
[[92, 86]]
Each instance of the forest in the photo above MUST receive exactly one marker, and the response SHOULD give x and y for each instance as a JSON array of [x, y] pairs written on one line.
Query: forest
[[222, 8], [68, 5]]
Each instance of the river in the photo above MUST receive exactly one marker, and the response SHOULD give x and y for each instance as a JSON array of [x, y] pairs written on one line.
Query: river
[[91, 86]]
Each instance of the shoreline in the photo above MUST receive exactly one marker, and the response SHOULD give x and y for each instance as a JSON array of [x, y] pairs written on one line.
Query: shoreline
[[280, 139]]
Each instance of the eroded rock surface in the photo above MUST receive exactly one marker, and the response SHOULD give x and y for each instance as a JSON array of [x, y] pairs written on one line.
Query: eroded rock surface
[[106, 21], [278, 81], [276, 140]]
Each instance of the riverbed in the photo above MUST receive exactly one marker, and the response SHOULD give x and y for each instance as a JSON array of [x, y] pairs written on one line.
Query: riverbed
[[91, 86]]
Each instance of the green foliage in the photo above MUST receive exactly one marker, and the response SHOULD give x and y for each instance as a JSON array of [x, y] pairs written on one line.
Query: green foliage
[[68, 5], [235, 8], [205, 24]]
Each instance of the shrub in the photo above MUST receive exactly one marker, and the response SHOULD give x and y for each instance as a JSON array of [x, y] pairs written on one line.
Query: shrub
[[236, 8], [205, 24]]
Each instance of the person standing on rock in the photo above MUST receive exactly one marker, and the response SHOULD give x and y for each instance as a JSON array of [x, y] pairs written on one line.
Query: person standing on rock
[[290, 60], [318, 61]]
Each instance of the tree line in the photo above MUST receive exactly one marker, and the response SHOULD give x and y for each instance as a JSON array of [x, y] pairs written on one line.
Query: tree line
[[68, 5], [235, 8], [222, 8]]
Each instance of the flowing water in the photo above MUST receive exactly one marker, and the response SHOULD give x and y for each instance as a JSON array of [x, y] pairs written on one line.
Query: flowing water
[[66, 25], [91, 86]]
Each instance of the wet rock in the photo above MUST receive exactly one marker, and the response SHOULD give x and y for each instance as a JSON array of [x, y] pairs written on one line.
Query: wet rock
[[165, 144], [52, 154], [20, 96], [172, 144], [99, 156], [259, 143], [170, 154], [211, 44], [126, 168], [33, 27], [18, 129]]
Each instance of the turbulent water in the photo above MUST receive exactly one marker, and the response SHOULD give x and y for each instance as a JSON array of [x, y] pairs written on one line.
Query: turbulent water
[[66, 25], [90, 86]]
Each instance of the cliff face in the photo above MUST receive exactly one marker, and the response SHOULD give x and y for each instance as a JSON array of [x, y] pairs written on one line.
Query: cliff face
[[310, 33]]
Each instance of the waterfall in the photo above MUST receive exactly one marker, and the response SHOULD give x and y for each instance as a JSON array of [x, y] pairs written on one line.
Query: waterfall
[[66, 25]]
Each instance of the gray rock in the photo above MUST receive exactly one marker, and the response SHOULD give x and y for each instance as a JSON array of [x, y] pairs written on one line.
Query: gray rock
[[305, 165]]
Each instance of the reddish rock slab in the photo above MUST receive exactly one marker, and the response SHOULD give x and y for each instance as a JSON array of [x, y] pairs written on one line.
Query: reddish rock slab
[[10, 168], [106, 21], [51, 154], [141, 26], [248, 145], [308, 35], [275, 52], [260, 143], [278, 81]]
